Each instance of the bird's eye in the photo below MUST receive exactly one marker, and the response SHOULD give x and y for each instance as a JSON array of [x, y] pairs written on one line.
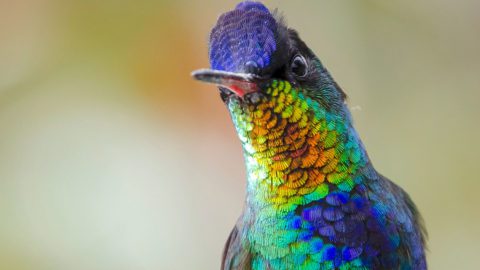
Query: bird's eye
[[299, 66]]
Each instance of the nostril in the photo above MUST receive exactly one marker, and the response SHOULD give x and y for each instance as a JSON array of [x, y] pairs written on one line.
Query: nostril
[[251, 67]]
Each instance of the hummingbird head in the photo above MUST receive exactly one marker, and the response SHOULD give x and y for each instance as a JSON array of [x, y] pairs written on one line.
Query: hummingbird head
[[289, 113], [251, 47]]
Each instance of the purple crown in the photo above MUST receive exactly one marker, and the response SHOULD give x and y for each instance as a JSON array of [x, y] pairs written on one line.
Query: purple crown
[[243, 37]]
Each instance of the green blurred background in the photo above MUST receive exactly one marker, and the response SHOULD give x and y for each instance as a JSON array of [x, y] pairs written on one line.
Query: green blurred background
[[112, 157]]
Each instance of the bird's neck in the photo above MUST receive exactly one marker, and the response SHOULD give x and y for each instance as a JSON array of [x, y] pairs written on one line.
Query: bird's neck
[[295, 151]]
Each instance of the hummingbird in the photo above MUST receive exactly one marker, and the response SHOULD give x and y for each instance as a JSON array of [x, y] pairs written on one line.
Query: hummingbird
[[314, 199]]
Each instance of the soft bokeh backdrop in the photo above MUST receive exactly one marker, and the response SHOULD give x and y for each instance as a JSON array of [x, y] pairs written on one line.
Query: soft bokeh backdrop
[[111, 157]]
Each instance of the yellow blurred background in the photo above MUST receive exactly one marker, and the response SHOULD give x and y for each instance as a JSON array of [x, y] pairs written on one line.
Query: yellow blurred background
[[112, 157]]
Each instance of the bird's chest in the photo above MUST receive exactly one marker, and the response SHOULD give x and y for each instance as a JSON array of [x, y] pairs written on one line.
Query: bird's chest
[[322, 233]]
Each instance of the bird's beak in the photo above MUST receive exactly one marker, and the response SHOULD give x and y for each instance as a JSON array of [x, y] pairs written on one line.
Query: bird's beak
[[238, 83]]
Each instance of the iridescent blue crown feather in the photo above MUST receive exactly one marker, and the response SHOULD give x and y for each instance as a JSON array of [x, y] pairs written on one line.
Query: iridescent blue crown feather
[[243, 38]]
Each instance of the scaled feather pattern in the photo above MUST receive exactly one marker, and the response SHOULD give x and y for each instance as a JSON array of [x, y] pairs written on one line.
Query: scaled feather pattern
[[244, 35]]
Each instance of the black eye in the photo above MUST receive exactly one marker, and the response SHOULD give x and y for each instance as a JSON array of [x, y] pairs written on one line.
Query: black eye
[[299, 66]]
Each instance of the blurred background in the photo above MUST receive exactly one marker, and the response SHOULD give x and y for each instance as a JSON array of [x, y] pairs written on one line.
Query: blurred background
[[112, 157]]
